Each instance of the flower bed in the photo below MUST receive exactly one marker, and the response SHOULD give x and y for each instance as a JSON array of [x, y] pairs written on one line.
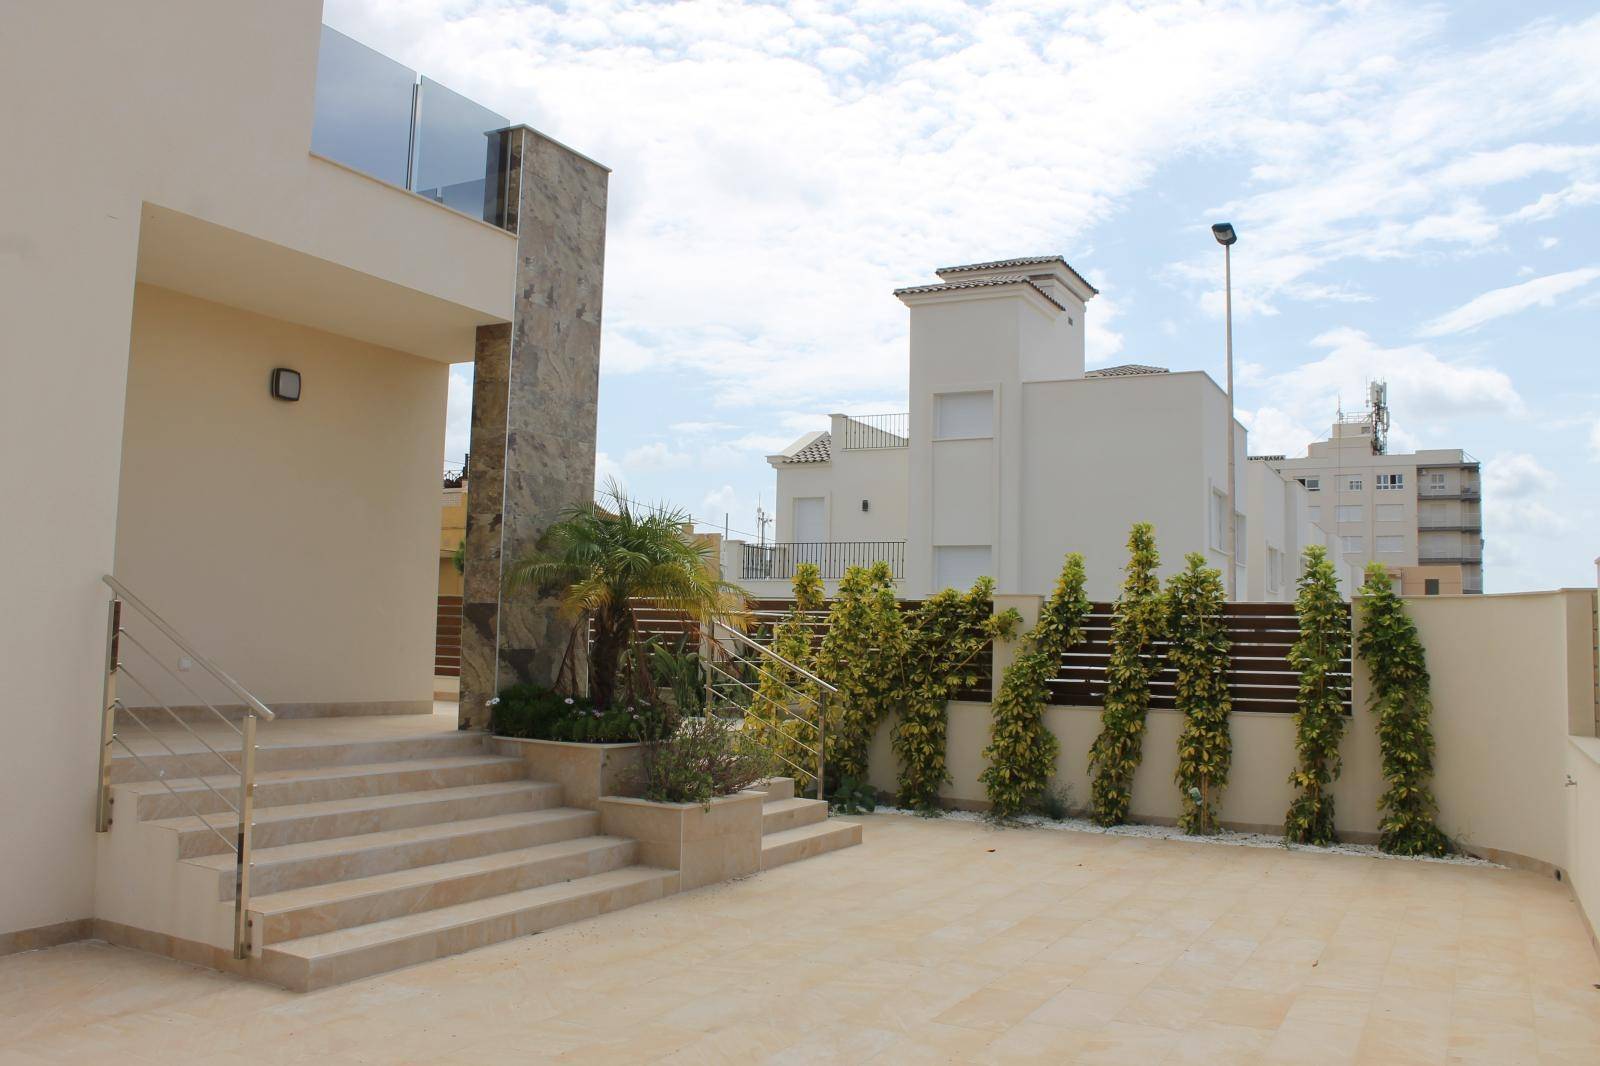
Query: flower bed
[[530, 712]]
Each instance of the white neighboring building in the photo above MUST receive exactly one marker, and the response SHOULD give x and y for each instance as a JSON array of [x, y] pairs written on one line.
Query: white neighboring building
[[1012, 455], [1420, 513]]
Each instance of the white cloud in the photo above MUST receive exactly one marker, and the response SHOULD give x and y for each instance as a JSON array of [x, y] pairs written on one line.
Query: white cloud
[[1516, 475], [1422, 387], [1578, 194], [1497, 303], [607, 469], [1548, 243], [657, 455], [1274, 432]]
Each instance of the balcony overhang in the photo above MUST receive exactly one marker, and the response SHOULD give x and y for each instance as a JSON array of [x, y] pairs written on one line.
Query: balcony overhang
[[190, 255]]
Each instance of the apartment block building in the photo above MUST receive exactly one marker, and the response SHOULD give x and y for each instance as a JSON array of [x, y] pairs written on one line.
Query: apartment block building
[[1420, 513], [1012, 454]]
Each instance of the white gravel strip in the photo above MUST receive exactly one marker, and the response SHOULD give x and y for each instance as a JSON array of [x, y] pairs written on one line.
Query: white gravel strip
[[1168, 832]]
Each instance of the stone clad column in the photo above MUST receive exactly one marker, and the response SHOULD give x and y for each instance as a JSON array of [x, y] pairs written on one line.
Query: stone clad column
[[534, 402]]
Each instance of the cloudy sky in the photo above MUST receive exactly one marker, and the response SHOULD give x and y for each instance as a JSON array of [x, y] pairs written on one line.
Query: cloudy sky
[[1417, 190]]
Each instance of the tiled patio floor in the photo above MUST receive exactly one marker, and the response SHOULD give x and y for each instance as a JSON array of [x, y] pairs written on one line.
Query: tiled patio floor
[[933, 942]]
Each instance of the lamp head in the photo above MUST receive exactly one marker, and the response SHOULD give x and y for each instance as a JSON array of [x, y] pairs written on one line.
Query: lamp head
[[1223, 232]]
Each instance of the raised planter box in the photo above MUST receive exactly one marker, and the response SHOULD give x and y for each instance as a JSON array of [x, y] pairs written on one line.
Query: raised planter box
[[706, 844], [585, 772]]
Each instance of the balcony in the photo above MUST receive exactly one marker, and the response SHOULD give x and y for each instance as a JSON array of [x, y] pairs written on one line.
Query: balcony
[[1458, 492], [386, 120], [1445, 556], [768, 562], [1468, 524], [866, 432]]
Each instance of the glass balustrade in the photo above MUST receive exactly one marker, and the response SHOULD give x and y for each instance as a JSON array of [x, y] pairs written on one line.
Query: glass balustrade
[[384, 119]]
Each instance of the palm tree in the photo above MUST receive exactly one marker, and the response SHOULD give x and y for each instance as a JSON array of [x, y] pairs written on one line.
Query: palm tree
[[601, 561]]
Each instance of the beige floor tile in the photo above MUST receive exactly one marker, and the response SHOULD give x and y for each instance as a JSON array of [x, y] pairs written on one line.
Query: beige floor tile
[[919, 946]]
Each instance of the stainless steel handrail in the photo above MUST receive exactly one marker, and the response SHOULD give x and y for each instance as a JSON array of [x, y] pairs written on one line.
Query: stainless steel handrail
[[767, 659], [199, 660], [254, 710]]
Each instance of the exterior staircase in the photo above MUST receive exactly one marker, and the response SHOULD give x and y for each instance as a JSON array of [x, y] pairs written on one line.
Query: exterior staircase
[[373, 854], [368, 855], [795, 828]]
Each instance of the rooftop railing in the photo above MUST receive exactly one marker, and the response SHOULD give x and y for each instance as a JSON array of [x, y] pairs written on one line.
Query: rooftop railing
[[766, 562], [876, 431], [384, 119]]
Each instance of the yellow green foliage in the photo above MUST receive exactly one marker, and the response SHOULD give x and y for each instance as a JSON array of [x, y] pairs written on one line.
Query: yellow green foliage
[[1319, 719], [1392, 652], [864, 641], [944, 636], [781, 714], [1022, 750], [1198, 650], [1137, 624]]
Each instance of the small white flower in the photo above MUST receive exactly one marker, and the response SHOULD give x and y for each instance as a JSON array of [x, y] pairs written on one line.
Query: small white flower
[[569, 701]]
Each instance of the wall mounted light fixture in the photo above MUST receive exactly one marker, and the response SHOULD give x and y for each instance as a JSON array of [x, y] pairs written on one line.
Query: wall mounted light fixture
[[863, 505], [285, 384]]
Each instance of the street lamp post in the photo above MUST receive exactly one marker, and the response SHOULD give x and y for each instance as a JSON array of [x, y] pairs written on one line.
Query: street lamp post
[[1225, 235]]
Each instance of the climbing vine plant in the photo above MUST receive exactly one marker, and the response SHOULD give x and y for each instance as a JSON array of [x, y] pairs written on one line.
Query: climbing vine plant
[[1022, 750], [865, 641], [945, 635], [1199, 652], [1319, 718], [780, 688], [1392, 652], [1137, 624]]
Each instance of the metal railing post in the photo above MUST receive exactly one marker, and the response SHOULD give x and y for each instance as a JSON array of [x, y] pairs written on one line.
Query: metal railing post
[[108, 717], [822, 745], [241, 874]]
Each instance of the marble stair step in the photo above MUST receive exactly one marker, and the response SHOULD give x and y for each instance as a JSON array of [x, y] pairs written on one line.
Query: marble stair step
[[276, 788], [271, 756], [345, 858], [349, 954], [300, 822], [808, 841], [317, 909], [777, 788], [779, 815]]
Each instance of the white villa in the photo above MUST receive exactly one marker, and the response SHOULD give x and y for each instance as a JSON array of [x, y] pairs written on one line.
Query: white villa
[[1012, 454]]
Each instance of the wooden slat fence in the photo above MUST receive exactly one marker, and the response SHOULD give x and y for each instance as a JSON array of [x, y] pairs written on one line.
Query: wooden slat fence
[[1260, 678], [765, 614]]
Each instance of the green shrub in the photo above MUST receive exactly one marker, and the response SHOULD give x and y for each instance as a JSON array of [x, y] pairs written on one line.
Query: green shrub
[[944, 636], [1319, 719], [1198, 650], [853, 796], [533, 712], [771, 719], [1137, 624], [1053, 802], [701, 760], [865, 639], [1022, 750], [1392, 652]]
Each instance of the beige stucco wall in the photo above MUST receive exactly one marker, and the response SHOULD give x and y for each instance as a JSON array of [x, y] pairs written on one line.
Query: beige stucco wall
[[204, 111], [1510, 674], [296, 543]]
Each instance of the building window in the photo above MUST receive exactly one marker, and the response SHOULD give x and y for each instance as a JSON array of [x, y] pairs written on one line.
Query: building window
[[1353, 545], [1349, 512], [1430, 586], [1219, 520], [1436, 480], [1274, 569], [957, 566], [1353, 484], [963, 415], [1391, 544], [1391, 481], [1312, 484], [1390, 512]]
